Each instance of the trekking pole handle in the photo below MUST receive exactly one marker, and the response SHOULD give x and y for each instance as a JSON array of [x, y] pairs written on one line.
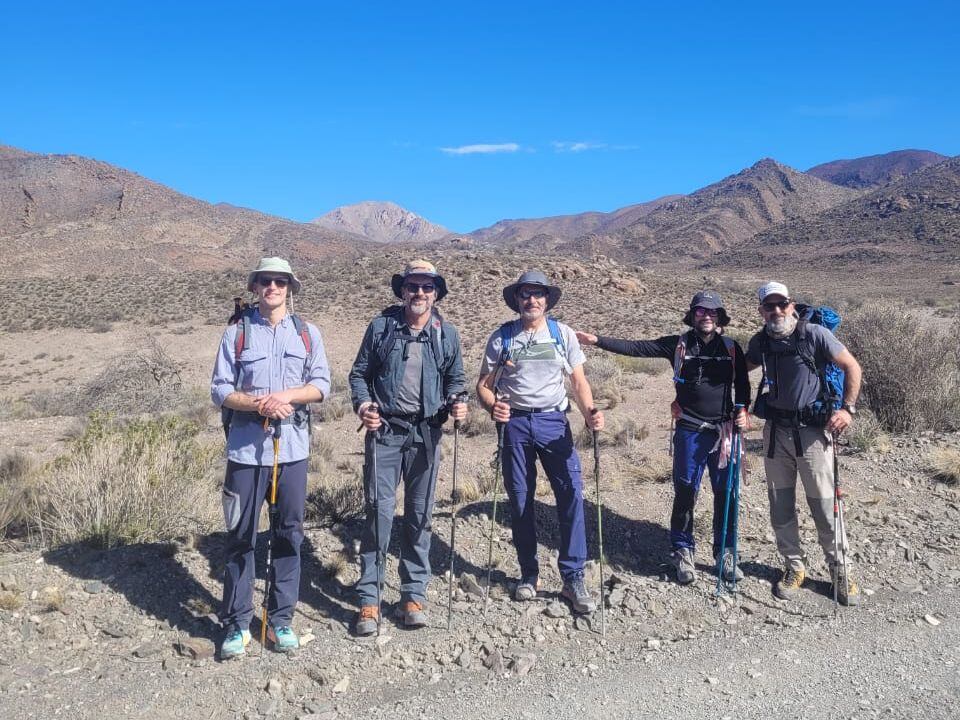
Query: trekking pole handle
[[460, 397], [373, 405]]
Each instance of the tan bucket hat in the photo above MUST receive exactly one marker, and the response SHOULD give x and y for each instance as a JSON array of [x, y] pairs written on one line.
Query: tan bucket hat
[[419, 267]]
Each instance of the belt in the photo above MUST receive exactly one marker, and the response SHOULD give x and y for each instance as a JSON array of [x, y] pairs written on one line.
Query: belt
[[533, 411], [412, 418]]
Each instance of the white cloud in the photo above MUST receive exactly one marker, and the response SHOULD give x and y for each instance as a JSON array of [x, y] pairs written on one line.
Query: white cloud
[[575, 147], [482, 148]]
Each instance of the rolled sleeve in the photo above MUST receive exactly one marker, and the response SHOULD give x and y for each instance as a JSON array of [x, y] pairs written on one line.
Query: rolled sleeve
[[223, 379], [319, 374]]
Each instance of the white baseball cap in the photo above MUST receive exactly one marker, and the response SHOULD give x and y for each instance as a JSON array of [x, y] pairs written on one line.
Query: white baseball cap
[[773, 288]]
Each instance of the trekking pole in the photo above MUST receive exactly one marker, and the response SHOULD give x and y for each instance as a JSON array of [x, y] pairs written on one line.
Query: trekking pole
[[372, 437], [732, 495], [673, 425], [596, 476], [839, 532], [272, 514], [462, 397], [493, 513]]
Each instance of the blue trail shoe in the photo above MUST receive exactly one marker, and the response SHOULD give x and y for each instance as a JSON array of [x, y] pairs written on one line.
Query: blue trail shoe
[[284, 639], [234, 643]]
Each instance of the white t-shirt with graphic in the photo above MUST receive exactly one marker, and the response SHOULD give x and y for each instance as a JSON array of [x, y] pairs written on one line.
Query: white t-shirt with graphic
[[533, 377]]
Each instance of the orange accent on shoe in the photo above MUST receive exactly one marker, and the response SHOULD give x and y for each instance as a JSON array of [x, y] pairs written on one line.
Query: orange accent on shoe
[[369, 612], [412, 606]]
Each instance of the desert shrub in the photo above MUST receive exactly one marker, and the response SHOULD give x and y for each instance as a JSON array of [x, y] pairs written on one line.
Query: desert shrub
[[337, 404], [122, 482], [867, 434], [17, 494], [478, 422], [618, 432], [651, 468], [606, 380], [146, 380], [335, 495], [911, 368], [639, 365], [944, 465]]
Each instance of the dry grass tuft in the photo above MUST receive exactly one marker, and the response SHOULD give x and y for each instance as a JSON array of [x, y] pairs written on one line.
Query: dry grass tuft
[[337, 565], [52, 599], [639, 365], [866, 434], [651, 469], [478, 422], [944, 465], [10, 600], [18, 493], [468, 491], [143, 481], [335, 496]]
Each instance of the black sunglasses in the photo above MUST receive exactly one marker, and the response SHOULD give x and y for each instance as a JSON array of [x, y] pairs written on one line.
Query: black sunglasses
[[773, 305], [267, 280], [527, 294], [413, 287]]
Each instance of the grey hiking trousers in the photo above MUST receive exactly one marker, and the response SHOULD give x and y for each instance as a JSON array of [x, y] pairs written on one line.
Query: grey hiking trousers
[[412, 455], [815, 468]]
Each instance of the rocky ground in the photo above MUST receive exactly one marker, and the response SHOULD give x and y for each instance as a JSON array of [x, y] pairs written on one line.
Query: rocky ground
[[128, 632]]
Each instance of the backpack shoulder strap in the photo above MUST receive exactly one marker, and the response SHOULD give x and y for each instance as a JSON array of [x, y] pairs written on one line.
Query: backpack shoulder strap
[[805, 347], [507, 331], [554, 327], [679, 355], [731, 347]]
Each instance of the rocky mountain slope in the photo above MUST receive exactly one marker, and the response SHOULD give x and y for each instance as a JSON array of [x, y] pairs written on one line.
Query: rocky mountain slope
[[875, 170], [383, 222], [910, 221], [65, 214]]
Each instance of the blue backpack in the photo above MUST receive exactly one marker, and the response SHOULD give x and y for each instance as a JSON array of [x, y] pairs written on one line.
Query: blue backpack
[[508, 330]]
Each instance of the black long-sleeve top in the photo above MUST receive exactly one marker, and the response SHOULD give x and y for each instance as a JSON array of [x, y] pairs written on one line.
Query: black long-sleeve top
[[707, 373]]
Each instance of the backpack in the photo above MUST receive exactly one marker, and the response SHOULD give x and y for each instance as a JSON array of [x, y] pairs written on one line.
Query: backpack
[[242, 312], [680, 356], [831, 377], [389, 337], [507, 333]]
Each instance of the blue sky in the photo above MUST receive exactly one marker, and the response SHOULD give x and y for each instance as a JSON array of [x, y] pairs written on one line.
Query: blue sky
[[470, 113]]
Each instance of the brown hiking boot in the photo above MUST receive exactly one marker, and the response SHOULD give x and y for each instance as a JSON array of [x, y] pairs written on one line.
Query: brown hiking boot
[[789, 585], [847, 591], [367, 620], [413, 614]]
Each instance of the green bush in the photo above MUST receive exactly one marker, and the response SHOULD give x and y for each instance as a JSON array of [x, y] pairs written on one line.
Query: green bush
[[145, 480], [911, 367]]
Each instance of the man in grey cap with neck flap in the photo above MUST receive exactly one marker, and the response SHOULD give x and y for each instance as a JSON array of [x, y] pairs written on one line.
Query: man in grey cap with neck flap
[[802, 423], [713, 391], [406, 380], [522, 386]]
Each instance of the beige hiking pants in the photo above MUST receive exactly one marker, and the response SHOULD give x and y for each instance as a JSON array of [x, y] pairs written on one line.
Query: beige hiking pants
[[815, 467]]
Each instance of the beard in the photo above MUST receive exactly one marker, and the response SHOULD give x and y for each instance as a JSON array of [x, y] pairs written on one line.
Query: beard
[[418, 308], [782, 327]]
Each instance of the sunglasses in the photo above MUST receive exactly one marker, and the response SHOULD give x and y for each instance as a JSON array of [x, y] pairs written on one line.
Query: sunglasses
[[412, 287], [773, 305], [527, 294], [281, 281], [705, 311]]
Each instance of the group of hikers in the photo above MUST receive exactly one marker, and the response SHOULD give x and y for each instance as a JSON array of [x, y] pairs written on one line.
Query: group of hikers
[[408, 379]]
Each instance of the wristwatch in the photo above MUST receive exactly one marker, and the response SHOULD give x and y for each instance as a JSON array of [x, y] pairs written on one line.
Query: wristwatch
[[850, 408]]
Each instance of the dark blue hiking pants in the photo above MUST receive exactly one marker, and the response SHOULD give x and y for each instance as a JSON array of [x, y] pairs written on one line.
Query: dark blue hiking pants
[[244, 492], [691, 455], [545, 436]]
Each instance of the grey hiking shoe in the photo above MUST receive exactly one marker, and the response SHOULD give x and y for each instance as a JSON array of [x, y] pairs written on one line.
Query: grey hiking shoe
[[413, 614], [682, 559], [576, 592], [526, 590], [731, 572], [847, 591], [367, 620], [789, 585]]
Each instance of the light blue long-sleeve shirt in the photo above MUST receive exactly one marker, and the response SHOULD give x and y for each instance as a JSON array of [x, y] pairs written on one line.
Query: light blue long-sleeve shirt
[[273, 361]]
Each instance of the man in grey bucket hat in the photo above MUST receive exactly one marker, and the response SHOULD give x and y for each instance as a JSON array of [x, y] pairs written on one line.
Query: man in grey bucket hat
[[710, 375], [269, 367], [521, 385]]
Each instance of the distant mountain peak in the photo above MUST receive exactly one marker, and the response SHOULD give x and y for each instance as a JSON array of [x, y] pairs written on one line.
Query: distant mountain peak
[[381, 221], [875, 170]]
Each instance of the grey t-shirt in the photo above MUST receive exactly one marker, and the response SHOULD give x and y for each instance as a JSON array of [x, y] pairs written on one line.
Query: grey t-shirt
[[408, 393], [535, 377], [792, 386]]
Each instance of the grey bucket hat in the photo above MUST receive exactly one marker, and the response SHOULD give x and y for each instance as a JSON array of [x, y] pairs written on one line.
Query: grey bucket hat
[[530, 277], [710, 300], [274, 265], [419, 267]]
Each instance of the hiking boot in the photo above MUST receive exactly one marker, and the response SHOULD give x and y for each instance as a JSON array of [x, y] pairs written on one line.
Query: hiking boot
[[284, 639], [576, 592], [847, 591], [412, 614], [234, 643], [367, 620], [526, 590], [731, 572], [789, 585], [682, 559]]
